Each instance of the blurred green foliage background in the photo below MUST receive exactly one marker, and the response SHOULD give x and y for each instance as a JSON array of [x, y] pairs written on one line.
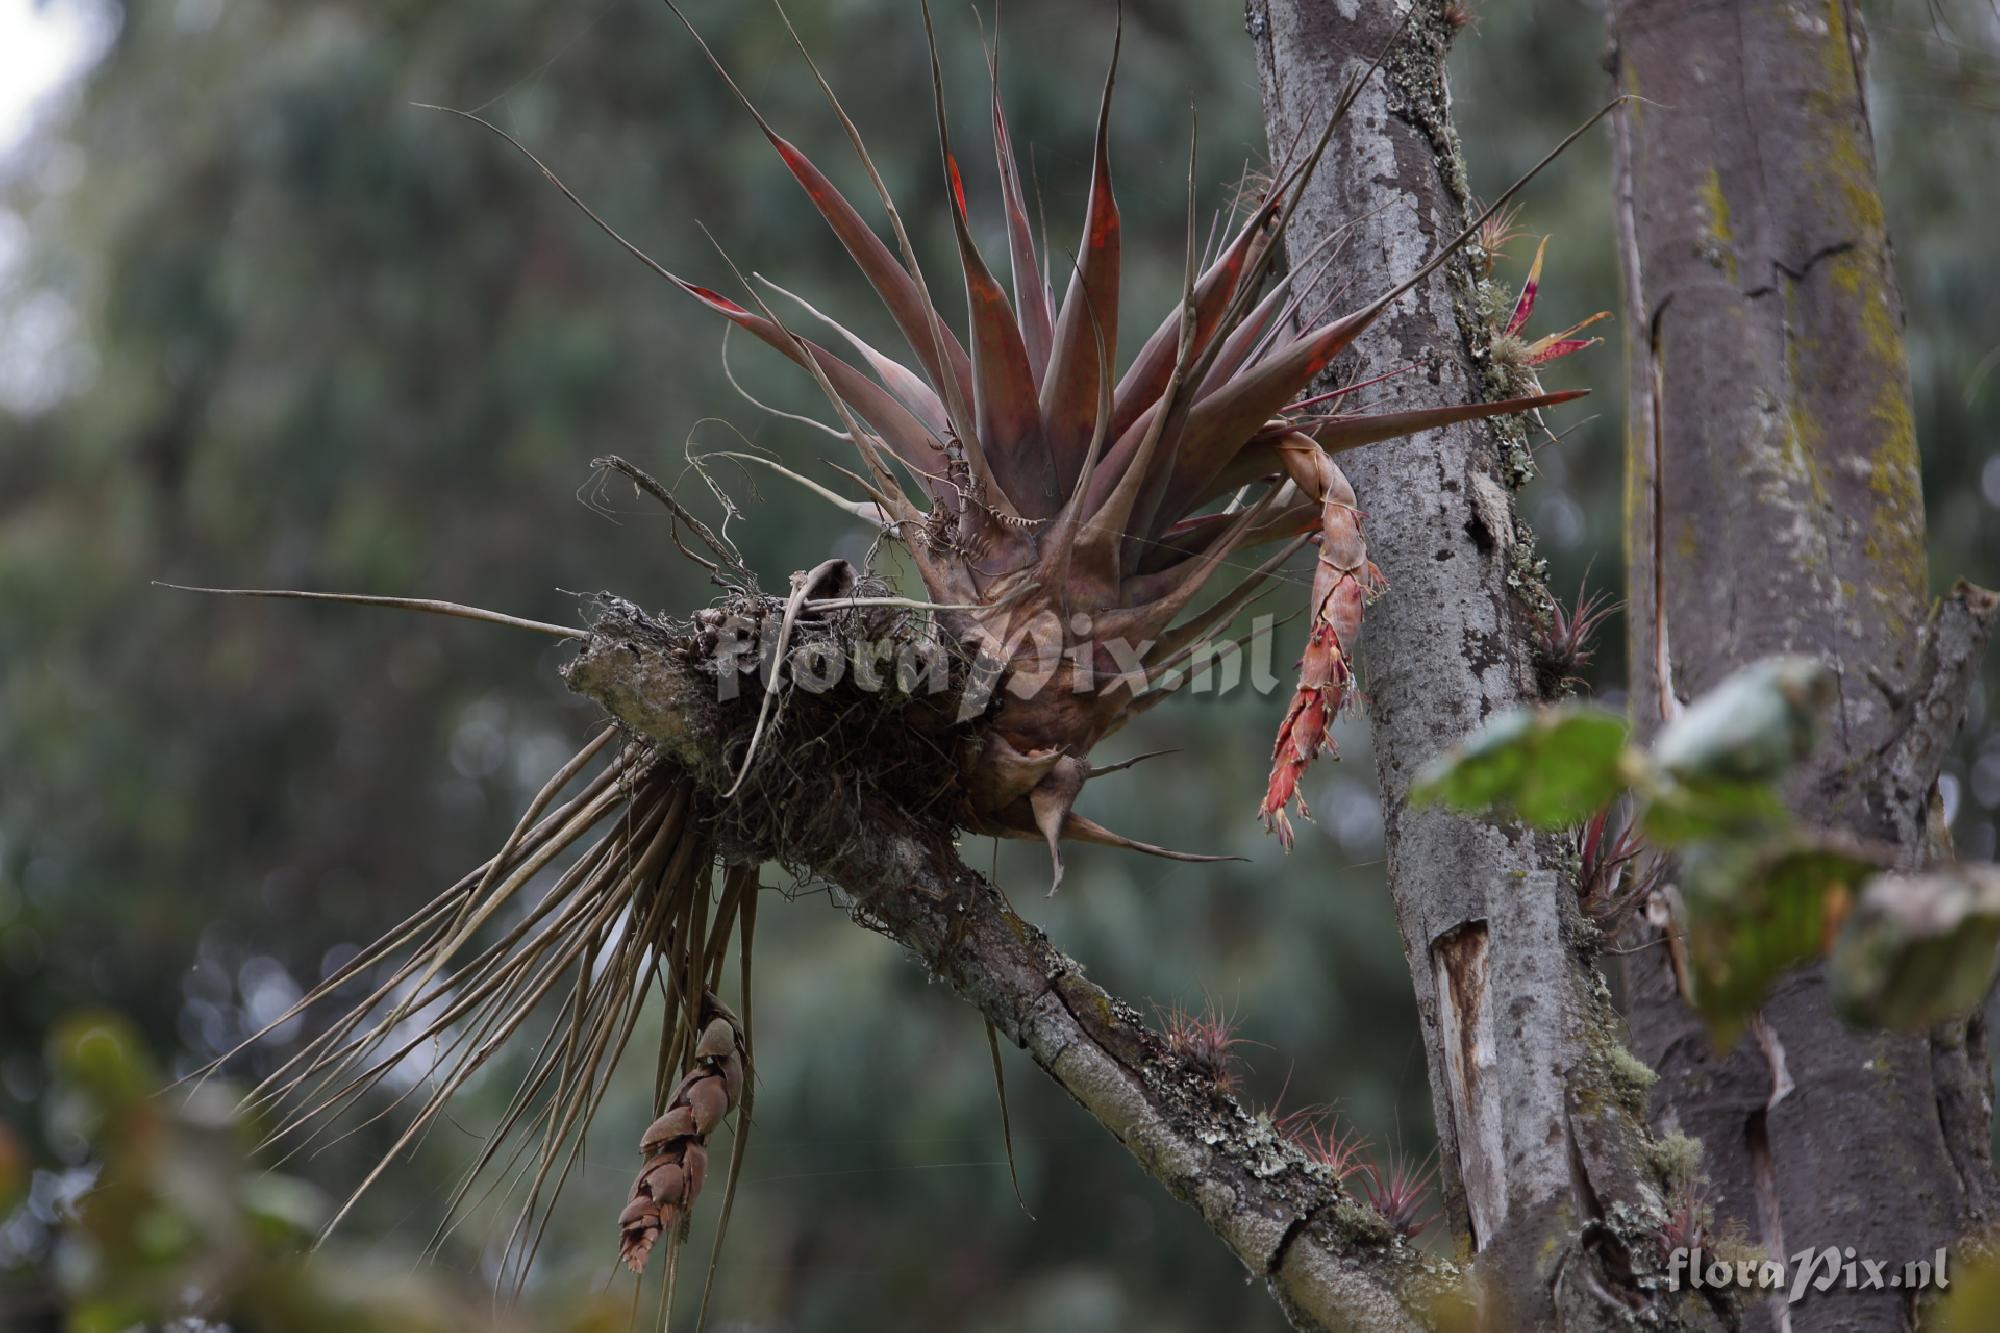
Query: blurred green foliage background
[[264, 322]]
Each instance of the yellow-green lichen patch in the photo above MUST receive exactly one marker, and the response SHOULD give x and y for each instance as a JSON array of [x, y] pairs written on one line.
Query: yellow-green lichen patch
[[1718, 242], [1895, 542], [1631, 1078], [1677, 1158]]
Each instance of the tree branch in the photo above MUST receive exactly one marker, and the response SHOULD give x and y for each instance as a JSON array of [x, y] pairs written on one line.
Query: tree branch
[[1330, 1262]]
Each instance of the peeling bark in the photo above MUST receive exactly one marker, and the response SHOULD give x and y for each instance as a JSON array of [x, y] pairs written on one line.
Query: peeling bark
[[1774, 506], [1543, 1153], [1331, 1263]]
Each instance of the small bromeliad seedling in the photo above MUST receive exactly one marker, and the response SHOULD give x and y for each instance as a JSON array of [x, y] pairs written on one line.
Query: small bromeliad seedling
[[1511, 348], [1400, 1190], [1565, 644], [1318, 1133], [1615, 871], [1207, 1041]]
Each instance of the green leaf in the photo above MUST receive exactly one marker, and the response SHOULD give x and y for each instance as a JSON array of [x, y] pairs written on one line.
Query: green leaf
[[1755, 911], [101, 1055], [1682, 813], [1919, 950], [1749, 729], [1550, 767]]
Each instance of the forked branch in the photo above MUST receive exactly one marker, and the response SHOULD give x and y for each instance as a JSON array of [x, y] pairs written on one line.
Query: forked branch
[[1330, 1262]]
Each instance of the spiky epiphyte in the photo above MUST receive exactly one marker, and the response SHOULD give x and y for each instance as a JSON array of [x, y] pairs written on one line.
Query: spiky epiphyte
[[1615, 873], [1064, 521], [1320, 1136], [1071, 516], [1564, 644], [1689, 1219], [1400, 1190], [1511, 349], [1207, 1041], [1495, 234], [1460, 16]]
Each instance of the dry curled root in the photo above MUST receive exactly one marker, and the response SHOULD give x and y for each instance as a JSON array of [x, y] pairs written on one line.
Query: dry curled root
[[675, 1146]]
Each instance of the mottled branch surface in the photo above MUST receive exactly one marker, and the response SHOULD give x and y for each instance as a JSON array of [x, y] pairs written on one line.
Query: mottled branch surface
[[1542, 1154], [1331, 1263], [1774, 507]]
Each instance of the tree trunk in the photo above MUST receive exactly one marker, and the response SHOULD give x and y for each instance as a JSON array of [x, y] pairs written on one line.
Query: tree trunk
[[1520, 1036], [1774, 506]]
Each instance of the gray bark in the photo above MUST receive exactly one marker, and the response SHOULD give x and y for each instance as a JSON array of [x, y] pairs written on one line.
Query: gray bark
[[1543, 1158], [1775, 507]]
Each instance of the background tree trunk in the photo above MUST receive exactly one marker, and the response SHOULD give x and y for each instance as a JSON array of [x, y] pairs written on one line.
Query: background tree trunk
[[1774, 506], [1518, 1029]]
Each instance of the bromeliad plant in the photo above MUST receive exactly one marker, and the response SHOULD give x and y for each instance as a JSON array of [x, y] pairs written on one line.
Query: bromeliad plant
[[1066, 519]]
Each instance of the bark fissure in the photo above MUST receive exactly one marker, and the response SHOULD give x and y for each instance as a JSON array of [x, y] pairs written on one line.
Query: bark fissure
[[1465, 1032]]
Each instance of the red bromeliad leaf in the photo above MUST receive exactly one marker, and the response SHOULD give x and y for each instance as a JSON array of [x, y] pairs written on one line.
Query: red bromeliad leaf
[[1525, 306], [1146, 379], [1352, 430], [905, 435], [1003, 388], [1344, 431], [1031, 301], [934, 346], [1552, 346], [892, 282], [1544, 350], [1089, 318]]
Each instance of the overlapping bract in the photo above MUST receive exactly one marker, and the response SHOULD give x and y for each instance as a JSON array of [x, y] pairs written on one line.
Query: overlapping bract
[[1083, 514], [675, 1146]]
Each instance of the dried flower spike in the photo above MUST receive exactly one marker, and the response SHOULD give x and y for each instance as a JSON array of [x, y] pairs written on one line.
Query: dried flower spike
[[675, 1146]]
